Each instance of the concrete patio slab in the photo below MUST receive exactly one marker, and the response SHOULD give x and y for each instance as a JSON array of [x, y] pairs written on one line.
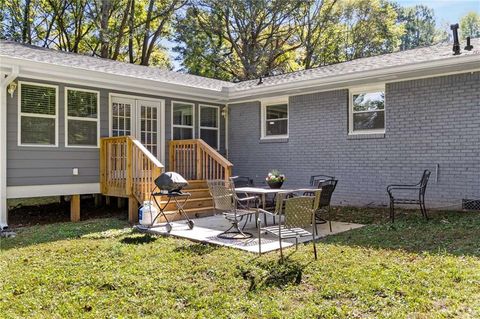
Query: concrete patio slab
[[207, 228]]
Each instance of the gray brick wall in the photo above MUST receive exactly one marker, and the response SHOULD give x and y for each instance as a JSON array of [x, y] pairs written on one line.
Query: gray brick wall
[[429, 122]]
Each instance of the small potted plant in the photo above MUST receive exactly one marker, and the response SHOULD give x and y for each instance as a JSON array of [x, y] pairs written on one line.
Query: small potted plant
[[275, 179]]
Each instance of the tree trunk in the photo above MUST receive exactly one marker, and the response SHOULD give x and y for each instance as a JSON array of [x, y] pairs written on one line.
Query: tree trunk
[[104, 45], [26, 32]]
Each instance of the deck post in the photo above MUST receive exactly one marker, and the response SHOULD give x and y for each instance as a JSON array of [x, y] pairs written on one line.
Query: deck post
[[132, 210], [75, 208]]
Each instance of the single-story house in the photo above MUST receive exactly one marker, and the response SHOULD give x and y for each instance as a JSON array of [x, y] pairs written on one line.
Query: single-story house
[[369, 122]]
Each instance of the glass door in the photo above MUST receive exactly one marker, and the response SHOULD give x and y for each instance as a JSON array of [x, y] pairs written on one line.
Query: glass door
[[148, 130], [139, 119]]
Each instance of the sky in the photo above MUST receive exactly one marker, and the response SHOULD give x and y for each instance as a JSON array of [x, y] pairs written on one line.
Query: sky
[[446, 11]]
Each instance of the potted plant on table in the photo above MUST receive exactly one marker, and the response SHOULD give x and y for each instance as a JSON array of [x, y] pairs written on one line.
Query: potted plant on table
[[275, 179]]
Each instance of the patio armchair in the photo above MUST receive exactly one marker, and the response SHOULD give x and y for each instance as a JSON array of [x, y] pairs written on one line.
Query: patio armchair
[[327, 184], [418, 189], [316, 179], [298, 216], [233, 208], [242, 181]]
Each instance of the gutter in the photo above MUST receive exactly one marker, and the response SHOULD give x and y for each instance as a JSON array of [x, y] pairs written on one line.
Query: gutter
[[3, 144], [464, 63]]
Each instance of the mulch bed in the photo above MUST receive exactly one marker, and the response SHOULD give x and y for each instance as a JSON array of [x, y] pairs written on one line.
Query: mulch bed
[[23, 216]]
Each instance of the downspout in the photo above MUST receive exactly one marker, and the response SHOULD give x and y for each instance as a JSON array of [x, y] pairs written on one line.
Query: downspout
[[226, 131], [4, 82]]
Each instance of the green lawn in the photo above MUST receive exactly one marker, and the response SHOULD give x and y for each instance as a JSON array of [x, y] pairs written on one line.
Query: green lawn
[[100, 269]]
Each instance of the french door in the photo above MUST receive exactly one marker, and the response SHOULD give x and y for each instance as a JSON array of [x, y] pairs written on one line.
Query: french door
[[139, 118]]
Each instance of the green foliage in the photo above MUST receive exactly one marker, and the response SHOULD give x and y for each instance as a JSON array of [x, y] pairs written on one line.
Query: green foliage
[[470, 25], [419, 24], [99, 269]]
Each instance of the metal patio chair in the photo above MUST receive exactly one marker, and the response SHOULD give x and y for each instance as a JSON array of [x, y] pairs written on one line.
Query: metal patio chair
[[233, 208], [298, 215], [327, 184], [419, 189], [242, 181], [316, 179]]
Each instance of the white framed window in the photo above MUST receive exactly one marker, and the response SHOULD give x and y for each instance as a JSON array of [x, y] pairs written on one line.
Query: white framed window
[[367, 110], [274, 116], [183, 119], [37, 114], [210, 125], [82, 118]]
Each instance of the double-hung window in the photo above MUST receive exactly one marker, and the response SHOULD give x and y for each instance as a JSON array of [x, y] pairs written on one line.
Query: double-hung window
[[38, 114], [182, 121], [209, 125], [275, 119], [82, 118], [367, 110]]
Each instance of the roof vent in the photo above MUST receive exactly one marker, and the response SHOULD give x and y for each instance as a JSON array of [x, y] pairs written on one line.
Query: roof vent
[[456, 44], [469, 47]]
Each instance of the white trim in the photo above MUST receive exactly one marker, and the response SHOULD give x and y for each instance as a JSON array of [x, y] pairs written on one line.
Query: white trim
[[454, 65], [373, 88], [20, 113], [98, 79], [182, 126], [52, 190], [200, 127], [263, 115], [134, 117], [4, 82], [67, 117]]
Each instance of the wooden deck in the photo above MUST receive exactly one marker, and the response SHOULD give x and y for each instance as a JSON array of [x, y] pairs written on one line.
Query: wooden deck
[[128, 170]]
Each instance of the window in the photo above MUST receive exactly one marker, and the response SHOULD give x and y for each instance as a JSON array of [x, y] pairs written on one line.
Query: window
[[275, 119], [367, 111], [81, 118], [182, 121], [38, 115], [209, 125]]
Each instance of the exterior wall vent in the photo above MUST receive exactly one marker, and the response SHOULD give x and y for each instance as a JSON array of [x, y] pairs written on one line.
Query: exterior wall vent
[[471, 204]]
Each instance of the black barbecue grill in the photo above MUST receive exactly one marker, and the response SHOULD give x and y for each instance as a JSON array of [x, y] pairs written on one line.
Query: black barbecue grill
[[170, 185]]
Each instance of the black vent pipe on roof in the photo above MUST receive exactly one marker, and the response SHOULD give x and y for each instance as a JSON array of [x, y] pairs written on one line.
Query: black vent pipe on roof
[[469, 46], [456, 44]]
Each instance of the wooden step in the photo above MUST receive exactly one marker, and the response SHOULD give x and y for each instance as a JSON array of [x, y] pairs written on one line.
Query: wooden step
[[196, 183], [192, 203], [199, 193], [191, 213]]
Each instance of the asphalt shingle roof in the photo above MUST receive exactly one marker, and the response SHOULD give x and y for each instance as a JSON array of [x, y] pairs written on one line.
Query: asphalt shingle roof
[[413, 56], [32, 53], [85, 62]]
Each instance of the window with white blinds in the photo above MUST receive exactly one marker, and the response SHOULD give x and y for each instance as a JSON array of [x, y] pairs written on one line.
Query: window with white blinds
[[82, 118], [38, 114]]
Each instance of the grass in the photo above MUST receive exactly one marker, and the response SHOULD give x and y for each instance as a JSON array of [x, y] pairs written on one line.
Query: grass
[[100, 269]]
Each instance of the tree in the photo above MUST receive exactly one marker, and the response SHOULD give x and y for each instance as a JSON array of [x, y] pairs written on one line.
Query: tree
[[470, 25], [239, 39], [419, 24]]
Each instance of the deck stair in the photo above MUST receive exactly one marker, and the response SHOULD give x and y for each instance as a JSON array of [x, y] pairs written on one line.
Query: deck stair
[[200, 204], [128, 169]]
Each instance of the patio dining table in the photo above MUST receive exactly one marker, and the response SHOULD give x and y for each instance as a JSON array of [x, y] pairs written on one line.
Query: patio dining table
[[264, 191]]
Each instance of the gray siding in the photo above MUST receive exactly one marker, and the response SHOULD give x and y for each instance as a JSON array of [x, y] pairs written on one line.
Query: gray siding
[[428, 122], [53, 165]]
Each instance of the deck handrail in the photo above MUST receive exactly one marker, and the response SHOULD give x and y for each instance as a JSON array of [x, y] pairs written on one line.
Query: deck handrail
[[127, 168], [195, 159]]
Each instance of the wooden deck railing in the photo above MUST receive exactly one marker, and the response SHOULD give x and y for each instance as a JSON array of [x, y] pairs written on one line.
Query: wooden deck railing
[[195, 159], [127, 168]]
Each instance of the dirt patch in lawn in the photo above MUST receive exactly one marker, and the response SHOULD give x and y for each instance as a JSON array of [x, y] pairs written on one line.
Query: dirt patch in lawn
[[23, 215]]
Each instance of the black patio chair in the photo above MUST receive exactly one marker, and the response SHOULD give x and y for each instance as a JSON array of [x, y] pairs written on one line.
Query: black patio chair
[[316, 179], [242, 181], [328, 185], [420, 187]]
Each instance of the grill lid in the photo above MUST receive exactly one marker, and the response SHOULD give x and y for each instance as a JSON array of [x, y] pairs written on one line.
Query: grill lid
[[171, 182]]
